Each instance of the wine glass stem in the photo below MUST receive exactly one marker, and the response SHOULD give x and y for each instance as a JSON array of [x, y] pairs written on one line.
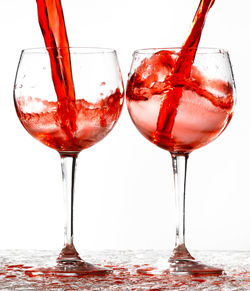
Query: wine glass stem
[[68, 164], [179, 163]]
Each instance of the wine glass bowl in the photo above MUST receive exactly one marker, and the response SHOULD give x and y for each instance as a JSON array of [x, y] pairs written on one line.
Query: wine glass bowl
[[69, 99], [204, 103], [94, 110], [181, 105]]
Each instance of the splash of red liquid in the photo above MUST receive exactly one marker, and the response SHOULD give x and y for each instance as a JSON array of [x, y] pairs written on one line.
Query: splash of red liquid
[[93, 121], [52, 24], [204, 107], [182, 69], [51, 20], [68, 124], [186, 57], [169, 83], [122, 278]]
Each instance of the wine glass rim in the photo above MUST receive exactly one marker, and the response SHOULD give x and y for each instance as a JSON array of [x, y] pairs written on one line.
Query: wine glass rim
[[200, 50], [75, 50]]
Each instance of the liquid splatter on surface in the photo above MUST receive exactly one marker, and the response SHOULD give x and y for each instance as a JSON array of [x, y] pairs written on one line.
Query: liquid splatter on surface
[[15, 275]]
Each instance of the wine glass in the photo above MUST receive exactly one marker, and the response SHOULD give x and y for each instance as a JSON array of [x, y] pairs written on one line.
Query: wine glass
[[69, 122], [181, 110]]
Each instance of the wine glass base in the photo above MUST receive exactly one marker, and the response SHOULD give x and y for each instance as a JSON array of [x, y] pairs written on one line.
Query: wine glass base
[[76, 269], [183, 267], [192, 267]]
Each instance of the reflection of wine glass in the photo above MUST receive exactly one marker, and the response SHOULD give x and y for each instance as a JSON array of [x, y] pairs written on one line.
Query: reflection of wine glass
[[181, 113], [69, 124]]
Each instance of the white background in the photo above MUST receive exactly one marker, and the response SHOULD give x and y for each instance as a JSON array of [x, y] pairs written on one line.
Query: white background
[[124, 191]]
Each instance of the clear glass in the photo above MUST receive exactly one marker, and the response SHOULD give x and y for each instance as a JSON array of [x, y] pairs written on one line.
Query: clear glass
[[68, 124], [181, 112]]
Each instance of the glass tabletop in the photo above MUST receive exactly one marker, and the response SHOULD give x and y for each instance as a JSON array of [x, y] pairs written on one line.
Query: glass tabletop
[[15, 266]]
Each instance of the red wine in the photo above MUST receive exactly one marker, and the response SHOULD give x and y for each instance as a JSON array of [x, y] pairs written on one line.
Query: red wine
[[93, 121], [182, 68], [186, 56], [52, 24], [70, 124], [129, 277], [51, 20], [170, 101], [200, 115]]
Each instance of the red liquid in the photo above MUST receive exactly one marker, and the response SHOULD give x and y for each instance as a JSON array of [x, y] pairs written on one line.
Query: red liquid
[[124, 277], [171, 102], [68, 125], [182, 68], [51, 20], [93, 121]]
